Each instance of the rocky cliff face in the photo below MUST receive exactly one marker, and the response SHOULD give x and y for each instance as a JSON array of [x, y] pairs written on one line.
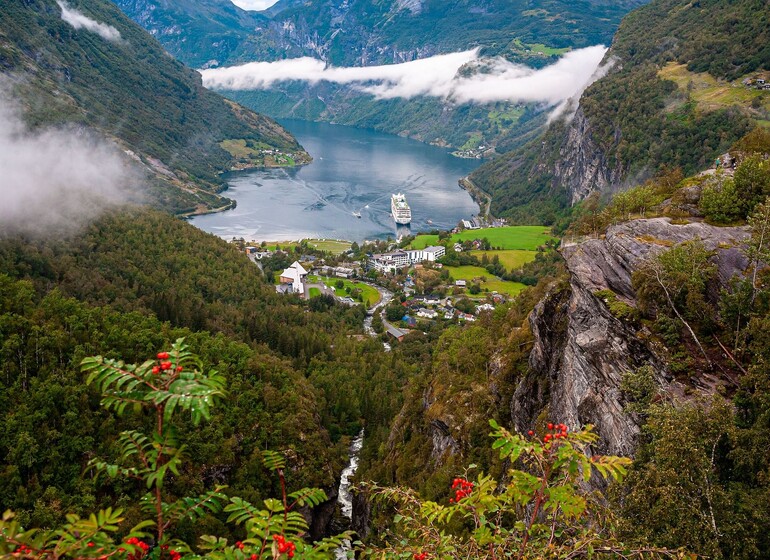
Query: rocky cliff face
[[582, 166], [582, 351]]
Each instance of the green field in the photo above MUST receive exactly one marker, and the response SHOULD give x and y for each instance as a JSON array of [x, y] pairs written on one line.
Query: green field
[[711, 94], [522, 238], [512, 259], [333, 246], [486, 280], [315, 292], [370, 295]]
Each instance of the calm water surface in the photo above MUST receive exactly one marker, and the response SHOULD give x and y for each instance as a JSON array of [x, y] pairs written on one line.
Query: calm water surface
[[353, 170]]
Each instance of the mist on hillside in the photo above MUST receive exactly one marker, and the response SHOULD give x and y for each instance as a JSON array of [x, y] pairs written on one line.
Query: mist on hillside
[[56, 180]]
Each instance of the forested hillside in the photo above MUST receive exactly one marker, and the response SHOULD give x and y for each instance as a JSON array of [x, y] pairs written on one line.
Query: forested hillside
[[673, 99], [652, 328], [126, 87], [125, 288], [365, 32]]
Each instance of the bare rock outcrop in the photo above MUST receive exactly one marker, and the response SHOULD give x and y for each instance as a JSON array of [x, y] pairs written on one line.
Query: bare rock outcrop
[[582, 351], [582, 166]]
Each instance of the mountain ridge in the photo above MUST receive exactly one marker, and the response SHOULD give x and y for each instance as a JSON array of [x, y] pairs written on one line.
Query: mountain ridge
[[365, 33], [131, 91], [635, 121]]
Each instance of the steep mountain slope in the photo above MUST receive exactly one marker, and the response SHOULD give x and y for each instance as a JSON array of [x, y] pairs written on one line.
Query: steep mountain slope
[[198, 32], [129, 89], [363, 32], [674, 98], [367, 32]]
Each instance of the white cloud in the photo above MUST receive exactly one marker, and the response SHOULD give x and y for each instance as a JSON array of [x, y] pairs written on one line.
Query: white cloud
[[79, 20], [56, 180], [482, 80], [254, 4]]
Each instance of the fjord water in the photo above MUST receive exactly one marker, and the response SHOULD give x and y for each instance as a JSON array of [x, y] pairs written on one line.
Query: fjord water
[[353, 171]]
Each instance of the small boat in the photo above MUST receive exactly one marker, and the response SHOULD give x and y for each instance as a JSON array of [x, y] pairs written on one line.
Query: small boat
[[430, 222], [357, 214]]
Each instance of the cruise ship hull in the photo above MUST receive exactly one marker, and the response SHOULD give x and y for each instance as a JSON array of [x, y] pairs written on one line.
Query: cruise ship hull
[[400, 210], [402, 221]]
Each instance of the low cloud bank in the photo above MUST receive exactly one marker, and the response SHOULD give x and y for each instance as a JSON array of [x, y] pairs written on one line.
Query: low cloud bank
[[79, 20], [462, 77], [55, 181]]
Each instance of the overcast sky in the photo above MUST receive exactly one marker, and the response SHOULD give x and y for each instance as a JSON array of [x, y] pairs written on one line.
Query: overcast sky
[[254, 4]]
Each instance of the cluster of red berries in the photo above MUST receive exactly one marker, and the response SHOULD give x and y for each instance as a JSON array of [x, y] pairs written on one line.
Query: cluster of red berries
[[462, 489], [136, 542], [174, 554], [556, 431], [24, 549], [420, 555], [284, 546], [165, 364]]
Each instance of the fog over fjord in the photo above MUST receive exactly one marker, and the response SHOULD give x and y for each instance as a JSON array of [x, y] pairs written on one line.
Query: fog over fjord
[[462, 77]]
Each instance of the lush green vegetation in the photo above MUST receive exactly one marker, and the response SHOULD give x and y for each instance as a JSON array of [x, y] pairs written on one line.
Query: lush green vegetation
[[522, 238], [486, 281], [640, 120], [346, 288], [512, 259], [126, 287], [130, 90]]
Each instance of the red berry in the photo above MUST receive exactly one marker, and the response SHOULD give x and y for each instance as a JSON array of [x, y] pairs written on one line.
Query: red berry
[[155, 370], [550, 426], [239, 544], [531, 433], [90, 544], [163, 355], [165, 365], [179, 368]]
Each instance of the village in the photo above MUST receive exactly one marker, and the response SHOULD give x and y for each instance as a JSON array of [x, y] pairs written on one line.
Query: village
[[411, 284]]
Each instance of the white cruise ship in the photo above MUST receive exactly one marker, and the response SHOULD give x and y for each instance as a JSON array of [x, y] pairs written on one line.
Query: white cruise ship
[[400, 209]]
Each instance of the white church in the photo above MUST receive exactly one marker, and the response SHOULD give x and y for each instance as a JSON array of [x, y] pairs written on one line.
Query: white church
[[293, 280]]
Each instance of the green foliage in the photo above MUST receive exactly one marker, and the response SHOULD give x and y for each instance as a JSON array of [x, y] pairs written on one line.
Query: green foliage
[[676, 280], [685, 487], [639, 388], [154, 385], [394, 311], [181, 386], [134, 282], [752, 181], [591, 217], [77, 538], [721, 202], [539, 511], [620, 309]]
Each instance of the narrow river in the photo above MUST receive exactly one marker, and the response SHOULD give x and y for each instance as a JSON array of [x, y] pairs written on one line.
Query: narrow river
[[345, 498]]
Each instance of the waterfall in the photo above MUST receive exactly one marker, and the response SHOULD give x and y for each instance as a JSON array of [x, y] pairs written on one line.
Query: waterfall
[[345, 498]]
